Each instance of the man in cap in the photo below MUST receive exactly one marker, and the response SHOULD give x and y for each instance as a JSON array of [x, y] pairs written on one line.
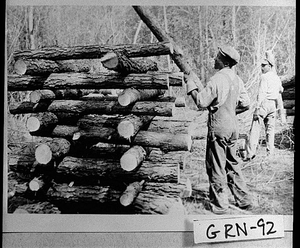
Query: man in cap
[[224, 96], [268, 100]]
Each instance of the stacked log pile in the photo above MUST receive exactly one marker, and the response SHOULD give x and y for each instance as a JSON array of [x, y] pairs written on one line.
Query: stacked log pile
[[289, 95], [98, 153]]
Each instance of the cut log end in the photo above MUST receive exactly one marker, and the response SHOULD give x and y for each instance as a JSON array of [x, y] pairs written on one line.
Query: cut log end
[[126, 129], [20, 67], [43, 154], [35, 184], [124, 100], [33, 124], [35, 96], [128, 162]]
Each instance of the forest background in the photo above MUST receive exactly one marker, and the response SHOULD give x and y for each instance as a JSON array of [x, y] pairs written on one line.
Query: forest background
[[198, 30]]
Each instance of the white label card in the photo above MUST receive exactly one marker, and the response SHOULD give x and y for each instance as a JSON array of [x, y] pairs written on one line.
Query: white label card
[[238, 228]]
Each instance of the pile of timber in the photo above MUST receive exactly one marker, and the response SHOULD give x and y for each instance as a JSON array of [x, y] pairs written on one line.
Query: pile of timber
[[289, 95], [99, 151]]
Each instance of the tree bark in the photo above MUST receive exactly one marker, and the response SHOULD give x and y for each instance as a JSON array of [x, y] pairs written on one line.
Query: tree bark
[[95, 51], [129, 126], [288, 104], [64, 131], [46, 67], [28, 107], [112, 107], [121, 63], [54, 149], [107, 150], [132, 95], [133, 158], [289, 94], [20, 163], [41, 95], [160, 198], [288, 81], [108, 170], [41, 122], [67, 118], [90, 121], [68, 94], [165, 141], [25, 82], [156, 80]]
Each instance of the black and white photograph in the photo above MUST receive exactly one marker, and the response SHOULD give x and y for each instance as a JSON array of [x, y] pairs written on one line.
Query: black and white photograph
[[156, 111]]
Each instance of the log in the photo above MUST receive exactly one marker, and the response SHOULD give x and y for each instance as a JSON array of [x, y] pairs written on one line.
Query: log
[[36, 184], [54, 149], [288, 104], [289, 94], [288, 81], [197, 130], [155, 198], [25, 82], [112, 107], [108, 171], [27, 107], [132, 95], [67, 118], [41, 122], [120, 62], [161, 35], [133, 158], [68, 94], [107, 150], [41, 95], [46, 67], [95, 51], [165, 141], [85, 193], [156, 80], [290, 112], [20, 163], [131, 193], [97, 134], [64, 131], [160, 198], [129, 126], [90, 121], [38, 208]]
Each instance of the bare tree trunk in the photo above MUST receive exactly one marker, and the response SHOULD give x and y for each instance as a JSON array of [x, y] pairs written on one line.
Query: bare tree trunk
[[30, 28]]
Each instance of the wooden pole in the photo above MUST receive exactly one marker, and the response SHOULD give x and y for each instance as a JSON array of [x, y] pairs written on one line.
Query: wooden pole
[[161, 35]]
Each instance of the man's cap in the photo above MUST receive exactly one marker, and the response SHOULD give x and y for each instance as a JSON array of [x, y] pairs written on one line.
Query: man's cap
[[265, 62], [270, 57], [230, 52]]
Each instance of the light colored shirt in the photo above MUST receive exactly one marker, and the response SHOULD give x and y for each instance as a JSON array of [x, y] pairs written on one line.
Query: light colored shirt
[[216, 91], [269, 88]]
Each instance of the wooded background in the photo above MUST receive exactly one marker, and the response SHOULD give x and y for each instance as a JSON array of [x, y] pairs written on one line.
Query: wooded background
[[198, 30]]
